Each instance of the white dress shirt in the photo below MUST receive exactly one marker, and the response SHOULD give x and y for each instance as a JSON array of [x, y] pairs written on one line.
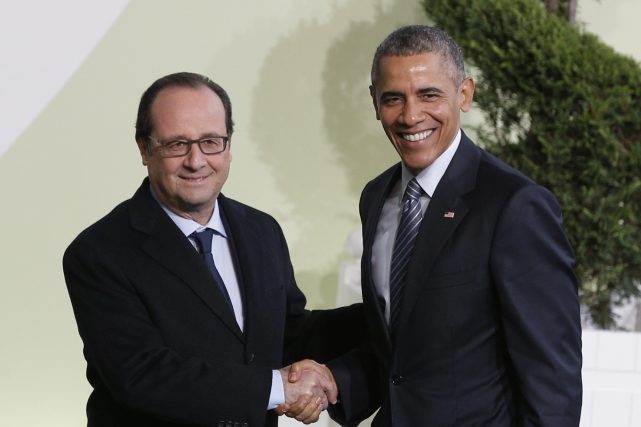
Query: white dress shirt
[[385, 235]]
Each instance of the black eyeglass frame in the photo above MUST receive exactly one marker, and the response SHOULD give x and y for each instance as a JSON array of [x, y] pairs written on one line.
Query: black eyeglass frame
[[164, 146]]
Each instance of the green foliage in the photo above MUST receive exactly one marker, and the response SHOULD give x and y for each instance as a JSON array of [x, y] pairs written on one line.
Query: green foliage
[[565, 109], [562, 9]]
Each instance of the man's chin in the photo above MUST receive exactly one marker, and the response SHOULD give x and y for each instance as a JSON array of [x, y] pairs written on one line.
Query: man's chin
[[196, 205], [416, 165]]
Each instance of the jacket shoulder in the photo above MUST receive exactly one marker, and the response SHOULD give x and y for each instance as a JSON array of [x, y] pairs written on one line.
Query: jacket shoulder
[[106, 229], [499, 176], [234, 207]]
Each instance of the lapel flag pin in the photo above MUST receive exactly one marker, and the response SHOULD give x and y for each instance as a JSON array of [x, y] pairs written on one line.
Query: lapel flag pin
[[448, 214]]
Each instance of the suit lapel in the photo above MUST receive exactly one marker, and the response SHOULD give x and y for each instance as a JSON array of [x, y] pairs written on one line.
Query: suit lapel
[[443, 215], [165, 243], [380, 191], [243, 238]]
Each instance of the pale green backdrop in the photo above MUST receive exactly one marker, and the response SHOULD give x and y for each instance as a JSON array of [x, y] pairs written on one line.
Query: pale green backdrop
[[306, 142]]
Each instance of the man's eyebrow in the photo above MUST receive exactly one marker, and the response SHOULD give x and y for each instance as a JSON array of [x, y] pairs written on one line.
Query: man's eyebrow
[[183, 137], [212, 135], [429, 90], [173, 138], [391, 93]]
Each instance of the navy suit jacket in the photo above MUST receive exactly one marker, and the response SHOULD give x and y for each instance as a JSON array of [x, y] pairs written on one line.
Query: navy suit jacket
[[162, 345], [489, 333]]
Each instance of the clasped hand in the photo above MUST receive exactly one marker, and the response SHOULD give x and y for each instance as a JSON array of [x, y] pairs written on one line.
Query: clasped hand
[[309, 389]]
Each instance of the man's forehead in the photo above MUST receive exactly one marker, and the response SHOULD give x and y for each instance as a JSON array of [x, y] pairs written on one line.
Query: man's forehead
[[430, 57], [181, 99], [181, 90], [432, 65], [177, 110]]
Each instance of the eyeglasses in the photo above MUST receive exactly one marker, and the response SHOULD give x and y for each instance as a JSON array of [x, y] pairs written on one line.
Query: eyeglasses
[[182, 147]]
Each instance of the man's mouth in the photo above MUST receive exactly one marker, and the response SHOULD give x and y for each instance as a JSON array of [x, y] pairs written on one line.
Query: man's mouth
[[194, 179], [413, 137]]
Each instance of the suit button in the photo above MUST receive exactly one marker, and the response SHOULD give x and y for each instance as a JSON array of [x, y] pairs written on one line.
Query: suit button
[[251, 357], [397, 379]]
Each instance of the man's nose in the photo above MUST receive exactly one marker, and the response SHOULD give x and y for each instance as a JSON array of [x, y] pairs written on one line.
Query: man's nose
[[195, 159], [412, 113]]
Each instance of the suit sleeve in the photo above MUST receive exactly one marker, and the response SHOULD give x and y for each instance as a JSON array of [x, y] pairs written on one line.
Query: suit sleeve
[[357, 372], [532, 267], [357, 376], [334, 336], [128, 356], [321, 335]]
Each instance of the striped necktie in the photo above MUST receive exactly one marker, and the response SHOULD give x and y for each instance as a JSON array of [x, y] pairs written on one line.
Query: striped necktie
[[405, 236]]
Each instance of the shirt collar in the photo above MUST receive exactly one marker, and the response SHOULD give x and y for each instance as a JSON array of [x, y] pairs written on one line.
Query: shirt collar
[[429, 177], [188, 226]]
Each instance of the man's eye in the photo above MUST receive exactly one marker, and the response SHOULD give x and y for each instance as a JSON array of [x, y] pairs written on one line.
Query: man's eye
[[212, 142], [176, 145], [391, 100]]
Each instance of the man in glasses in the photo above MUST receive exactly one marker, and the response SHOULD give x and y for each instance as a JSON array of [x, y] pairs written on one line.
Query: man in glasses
[[185, 299]]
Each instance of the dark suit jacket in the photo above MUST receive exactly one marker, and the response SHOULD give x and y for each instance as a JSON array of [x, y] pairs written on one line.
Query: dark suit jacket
[[161, 344], [490, 332]]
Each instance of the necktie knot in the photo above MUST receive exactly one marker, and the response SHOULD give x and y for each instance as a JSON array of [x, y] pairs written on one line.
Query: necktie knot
[[413, 190], [203, 239]]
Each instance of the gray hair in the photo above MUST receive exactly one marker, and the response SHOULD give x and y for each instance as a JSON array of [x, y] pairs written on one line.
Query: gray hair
[[417, 39]]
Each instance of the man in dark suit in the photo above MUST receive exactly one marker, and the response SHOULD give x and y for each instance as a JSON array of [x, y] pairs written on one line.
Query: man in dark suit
[[467, 275], [173, 335]]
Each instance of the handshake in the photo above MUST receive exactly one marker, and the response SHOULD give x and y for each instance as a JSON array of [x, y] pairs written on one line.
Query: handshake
[[309, 389]]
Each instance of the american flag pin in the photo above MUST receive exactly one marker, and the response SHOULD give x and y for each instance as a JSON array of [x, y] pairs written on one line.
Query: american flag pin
[[448, 214]]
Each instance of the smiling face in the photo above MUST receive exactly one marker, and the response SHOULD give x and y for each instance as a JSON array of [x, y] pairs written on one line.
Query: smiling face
[[419, 103], [187, 185]]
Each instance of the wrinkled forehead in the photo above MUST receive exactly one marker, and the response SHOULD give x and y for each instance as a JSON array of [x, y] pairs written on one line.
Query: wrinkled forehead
[[434, 63]]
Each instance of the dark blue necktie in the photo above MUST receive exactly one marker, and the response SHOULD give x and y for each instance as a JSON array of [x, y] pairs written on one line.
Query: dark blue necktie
[[203, 240], [405, 236]]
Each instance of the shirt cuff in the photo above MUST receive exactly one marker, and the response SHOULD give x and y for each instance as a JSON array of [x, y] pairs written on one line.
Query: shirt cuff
[[277, 394]]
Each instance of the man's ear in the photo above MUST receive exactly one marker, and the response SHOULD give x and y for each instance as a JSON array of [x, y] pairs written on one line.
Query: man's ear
[[466, 94], [144, 151], [372, 92]]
